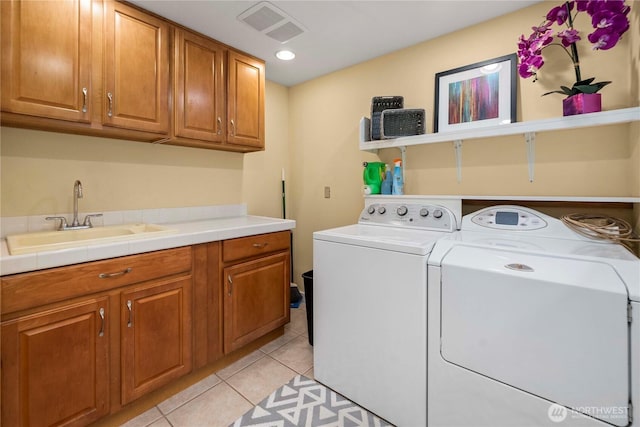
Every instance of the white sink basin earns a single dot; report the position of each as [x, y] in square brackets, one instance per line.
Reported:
[52, 240]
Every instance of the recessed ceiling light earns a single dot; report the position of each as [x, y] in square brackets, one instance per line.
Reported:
[285, 55]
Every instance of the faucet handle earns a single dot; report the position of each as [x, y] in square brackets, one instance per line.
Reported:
[63, 221]
[87, 219]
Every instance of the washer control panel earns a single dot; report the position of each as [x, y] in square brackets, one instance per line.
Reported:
[421, 216]
[506, 218]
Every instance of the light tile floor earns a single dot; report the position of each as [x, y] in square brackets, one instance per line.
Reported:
[221, 398]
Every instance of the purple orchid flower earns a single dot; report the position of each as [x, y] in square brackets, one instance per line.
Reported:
[603, 39]
[560, 14]
[609, 20]
[541, 41]
[581, 5]
[568, 37]
[530, 66]
[543, 28]
[616, 6]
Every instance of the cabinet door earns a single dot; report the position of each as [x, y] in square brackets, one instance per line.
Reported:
[136, 77]
[245, 103]
[256, 299]
[156, 335]
[46, 58]
[199, 88]
[55, 366]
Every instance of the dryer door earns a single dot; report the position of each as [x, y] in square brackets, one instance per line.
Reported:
[553, 327]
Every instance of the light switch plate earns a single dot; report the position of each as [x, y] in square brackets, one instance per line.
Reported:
[327, 192]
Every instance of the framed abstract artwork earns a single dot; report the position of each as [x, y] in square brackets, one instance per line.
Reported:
[476, 95]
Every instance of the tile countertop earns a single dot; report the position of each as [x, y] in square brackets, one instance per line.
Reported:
[188, 233]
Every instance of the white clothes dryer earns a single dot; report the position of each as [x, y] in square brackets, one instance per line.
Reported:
[531, 324]
[370, 304]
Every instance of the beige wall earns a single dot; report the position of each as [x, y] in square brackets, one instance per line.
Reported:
[262, 174]
[38, 170]
[324, 115]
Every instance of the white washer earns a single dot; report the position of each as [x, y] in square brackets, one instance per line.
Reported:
[370, 304]
[531, 324]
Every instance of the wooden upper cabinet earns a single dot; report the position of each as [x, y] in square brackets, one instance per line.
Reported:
[107, 68]
[245, 103]
[136, 60]
[46, 58]
[199, 103]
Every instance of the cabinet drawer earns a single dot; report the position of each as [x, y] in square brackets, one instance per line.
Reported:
[246, 247]
[23, 291]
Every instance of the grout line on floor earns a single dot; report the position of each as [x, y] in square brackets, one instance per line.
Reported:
[241, 395]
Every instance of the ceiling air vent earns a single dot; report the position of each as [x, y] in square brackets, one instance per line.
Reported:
[271, 21]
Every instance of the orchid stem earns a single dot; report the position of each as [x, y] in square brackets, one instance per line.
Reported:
[574, 48]
[562, 47]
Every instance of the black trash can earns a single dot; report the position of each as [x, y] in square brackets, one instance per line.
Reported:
[308, 296]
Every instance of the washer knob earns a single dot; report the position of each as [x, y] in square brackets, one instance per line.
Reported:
[402, 210]
[382, 210]
[371, 210]
[437, 214]
[424, 212]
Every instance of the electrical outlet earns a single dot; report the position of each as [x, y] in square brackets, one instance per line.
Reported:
[327, 192]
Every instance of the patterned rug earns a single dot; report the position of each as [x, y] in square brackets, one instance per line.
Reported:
[305, 403]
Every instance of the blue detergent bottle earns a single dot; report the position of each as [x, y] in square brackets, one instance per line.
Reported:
[388, 181]
[398, 180]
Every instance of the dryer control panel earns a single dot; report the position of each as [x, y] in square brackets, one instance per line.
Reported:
[508, 218]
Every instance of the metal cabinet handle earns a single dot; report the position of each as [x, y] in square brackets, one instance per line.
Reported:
[116, 274]
[219, 126]
[129, 323]
[233, 128]
[260, 245]
[84, 99]
[110, 96]
[101, 333]
[230, 285]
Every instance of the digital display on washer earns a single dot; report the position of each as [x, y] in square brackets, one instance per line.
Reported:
[507, 218]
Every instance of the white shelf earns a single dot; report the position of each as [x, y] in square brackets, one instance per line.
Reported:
[625, 115]
[573, 199]
[515, 198]
[527, 129]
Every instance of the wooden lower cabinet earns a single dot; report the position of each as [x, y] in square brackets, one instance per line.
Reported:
[73, 352]
[156, 336]
[256, 299]
[55, 366]
[82, 341]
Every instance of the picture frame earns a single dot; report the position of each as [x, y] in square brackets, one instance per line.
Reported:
[477, 95]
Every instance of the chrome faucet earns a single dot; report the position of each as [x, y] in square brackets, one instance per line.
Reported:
[77, 194]
[75, 223]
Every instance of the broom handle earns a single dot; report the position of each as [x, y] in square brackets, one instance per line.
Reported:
[284, 216]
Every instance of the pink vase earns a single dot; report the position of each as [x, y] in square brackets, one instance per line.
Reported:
[581, 103]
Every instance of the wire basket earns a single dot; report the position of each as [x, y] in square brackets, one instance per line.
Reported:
[402, 122]
[378, 105]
